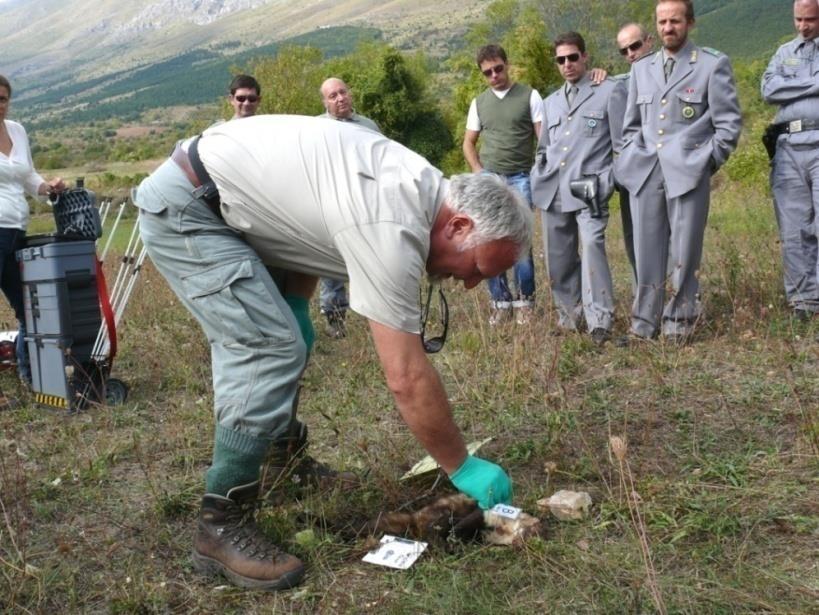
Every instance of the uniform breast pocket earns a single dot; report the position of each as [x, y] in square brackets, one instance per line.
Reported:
[790, 68]
[553, 127]
[594, 123]
[643, 103]
[689, 107]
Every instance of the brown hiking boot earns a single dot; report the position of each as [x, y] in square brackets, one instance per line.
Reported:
[289, 463]
[228, 542]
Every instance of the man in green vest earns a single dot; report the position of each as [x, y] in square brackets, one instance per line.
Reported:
[507, 117]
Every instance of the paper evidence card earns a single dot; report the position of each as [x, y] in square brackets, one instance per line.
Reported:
[395, 552]
[504, 510]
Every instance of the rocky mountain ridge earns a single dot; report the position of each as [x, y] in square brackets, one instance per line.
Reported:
[46, 38]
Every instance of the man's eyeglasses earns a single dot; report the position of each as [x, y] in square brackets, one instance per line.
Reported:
[3, 99]
[633, 47]
[497, 69]
[572, 57]
[434, 344]
[251, 98]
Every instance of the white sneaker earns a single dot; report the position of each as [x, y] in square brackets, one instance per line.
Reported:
[523, 314]
[499, 316]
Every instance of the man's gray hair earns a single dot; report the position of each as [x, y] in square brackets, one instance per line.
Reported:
[498, 210]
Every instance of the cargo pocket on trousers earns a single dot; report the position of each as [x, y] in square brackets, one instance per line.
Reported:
[235, 305]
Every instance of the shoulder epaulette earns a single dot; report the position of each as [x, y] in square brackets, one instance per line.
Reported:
[620, 77]
[712, 51]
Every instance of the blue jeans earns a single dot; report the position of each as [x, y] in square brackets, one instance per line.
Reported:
[333, 296]
[11, 240]
[524, 269]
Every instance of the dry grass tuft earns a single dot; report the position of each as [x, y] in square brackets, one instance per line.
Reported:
[709, 450]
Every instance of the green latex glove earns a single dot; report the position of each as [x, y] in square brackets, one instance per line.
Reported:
[301, 310]
[484, 481]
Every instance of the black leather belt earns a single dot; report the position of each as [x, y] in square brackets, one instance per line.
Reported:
[795, 126]
[204, 186]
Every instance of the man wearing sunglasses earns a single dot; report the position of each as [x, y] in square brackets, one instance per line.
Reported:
[682, 122]
[245, 96]
[315, 198]
[338, 105]
[791, 82]
[582, 128]
[633, 42]
[506, 116]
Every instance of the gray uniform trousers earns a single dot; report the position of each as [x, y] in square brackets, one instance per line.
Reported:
[668, 238]
[628, 232]
[581, 282]
[257, 352]
[795, 184]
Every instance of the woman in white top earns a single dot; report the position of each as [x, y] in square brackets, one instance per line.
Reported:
[17, 178]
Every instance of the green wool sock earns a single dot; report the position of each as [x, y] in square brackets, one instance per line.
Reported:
[236, 460]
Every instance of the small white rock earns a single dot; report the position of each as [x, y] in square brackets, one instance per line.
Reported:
[567, 505]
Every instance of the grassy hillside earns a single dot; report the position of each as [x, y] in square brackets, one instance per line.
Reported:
[712, 509]
[49, 40]
[99, 508]
[744, 28]
[195, 77]
[740, 28]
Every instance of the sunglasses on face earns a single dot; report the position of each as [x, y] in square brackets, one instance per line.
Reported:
[434, 344]
[572, 57]
[251, 99]
[497, 69]
[633, 47]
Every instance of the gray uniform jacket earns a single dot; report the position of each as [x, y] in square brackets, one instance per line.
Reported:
[690, 124]
[792, 82]
[578, 141]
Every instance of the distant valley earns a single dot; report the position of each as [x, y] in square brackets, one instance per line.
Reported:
[80, 60]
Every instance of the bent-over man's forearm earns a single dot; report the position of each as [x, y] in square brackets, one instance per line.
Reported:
[419, 395]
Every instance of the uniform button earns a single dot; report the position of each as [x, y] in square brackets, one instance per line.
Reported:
[568, 133]
[662, 116]
[569, 118]
[659, 146]
[563, 163]
[661, 131]
[565, 149]
[664, 101]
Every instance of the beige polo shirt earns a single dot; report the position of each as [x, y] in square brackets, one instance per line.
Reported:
[331, 199]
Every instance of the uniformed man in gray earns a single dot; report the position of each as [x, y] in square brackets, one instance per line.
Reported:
[682, 122]
[338, 104]
[792, 82]
[633, 42]
[581, 130]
